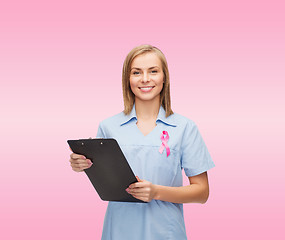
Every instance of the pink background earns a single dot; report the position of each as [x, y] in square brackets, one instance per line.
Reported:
[60, 72]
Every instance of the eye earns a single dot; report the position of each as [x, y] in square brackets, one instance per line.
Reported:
[136, 72]
[154, 71]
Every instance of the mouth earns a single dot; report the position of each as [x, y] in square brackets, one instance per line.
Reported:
[146, 89]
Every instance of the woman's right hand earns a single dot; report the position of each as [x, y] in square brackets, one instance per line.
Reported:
[79, 162]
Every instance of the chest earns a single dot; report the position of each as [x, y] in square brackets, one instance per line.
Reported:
[146, 127]
[143, 151]
[136, 133]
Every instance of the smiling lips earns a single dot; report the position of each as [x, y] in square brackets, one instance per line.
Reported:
[146, 89]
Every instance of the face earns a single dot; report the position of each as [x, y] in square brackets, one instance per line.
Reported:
[146, 78]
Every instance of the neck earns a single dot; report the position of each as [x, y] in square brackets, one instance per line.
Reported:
[147, 110]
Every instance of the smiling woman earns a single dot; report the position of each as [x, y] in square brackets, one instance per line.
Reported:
[146, 81]
[140, 55]
[158, 144]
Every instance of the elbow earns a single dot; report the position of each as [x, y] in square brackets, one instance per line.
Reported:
[204, 200]
[204, 196]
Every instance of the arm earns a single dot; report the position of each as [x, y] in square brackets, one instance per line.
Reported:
[196, 192]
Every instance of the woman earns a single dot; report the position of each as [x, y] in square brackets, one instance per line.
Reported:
[157, 144]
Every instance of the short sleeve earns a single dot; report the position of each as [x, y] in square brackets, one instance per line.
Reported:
[195, 158]
[100, 132]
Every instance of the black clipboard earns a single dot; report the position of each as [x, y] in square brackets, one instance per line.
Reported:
[110, 173]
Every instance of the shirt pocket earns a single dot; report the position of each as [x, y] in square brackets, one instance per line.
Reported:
[164, 169]
[149, 164]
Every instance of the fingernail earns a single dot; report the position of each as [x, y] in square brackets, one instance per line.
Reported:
[89, 162]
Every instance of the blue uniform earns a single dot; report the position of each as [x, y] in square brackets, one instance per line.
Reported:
[156, 220]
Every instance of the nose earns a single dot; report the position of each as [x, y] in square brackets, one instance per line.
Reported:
[145, 77]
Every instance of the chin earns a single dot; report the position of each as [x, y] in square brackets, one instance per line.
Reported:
[145, 98]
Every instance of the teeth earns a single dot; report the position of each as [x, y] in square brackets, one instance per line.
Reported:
[145, 87]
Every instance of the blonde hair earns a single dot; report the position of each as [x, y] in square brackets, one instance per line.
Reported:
[128, 95]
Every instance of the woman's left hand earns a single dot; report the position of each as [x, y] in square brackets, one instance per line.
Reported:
[142, 190]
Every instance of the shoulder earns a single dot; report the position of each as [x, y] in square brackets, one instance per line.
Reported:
[182, 121]
[114, 120]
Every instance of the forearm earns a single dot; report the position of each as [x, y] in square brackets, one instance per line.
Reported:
[194, 193]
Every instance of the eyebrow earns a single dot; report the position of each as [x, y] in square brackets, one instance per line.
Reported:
[140, 68]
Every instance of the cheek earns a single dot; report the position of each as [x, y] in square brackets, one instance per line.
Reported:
[159, 82]
[133, 84]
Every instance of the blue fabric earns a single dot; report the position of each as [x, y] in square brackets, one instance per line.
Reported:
[156, 219]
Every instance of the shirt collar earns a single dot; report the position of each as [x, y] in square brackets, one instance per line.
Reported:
[127, 118]
[161, 117]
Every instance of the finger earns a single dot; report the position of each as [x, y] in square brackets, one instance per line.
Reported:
[137, 197]
[138, 179]
[140, 190]
[135, 184]
[142, 198]
[82, 163]
[77, 170]
[138, 185]
[140, 195]
[80, 168]
[77, 156]
[79, 160]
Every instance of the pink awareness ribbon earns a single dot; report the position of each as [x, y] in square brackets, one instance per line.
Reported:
[164, 141]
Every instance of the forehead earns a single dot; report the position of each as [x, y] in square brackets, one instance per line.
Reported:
[146, 60]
